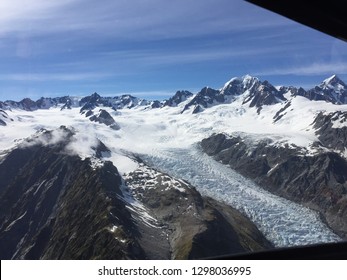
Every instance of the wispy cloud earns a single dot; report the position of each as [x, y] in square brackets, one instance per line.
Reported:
[219, 52]
[313, 69]
[53, 76]
[19, 15]
[131, 19]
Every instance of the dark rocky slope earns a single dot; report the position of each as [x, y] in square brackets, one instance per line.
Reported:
[4, 118]
[56, 206]
[195, 226]
[317, 181]
[105, 118]
[178, 98]
[331, 130]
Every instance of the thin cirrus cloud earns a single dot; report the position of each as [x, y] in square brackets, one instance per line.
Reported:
[39, 28]
[39, 77]
[154, 57]
[130, 19]
[21, 16]
[308, 70]
[144, 59]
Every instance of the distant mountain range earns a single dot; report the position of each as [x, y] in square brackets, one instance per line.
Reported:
[256, 93]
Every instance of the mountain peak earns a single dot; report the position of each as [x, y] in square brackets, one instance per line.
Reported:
[246, 79]
[237, 85]
[179, 97]
[332, 89]
[333, 80]
[91, 99]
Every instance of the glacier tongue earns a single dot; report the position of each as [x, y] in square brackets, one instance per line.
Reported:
[283, 222]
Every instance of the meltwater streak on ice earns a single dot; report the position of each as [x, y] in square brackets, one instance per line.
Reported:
[283, 222]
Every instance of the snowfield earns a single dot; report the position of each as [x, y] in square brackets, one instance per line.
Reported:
[166, 140]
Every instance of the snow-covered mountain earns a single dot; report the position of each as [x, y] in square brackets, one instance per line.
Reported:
[254, 92]
[287, 146]
[179, 97]
[331, 89]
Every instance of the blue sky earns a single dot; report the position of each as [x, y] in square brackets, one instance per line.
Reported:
[151, 48]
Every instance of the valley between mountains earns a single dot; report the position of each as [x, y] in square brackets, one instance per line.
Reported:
[244, 168]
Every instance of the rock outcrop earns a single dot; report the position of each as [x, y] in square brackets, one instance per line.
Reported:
[195, 226]
[331, 130]
[105, 118]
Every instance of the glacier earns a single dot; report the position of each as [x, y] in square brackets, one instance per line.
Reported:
[283, 222]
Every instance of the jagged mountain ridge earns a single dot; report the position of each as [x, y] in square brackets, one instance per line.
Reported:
[256, 93]
[66, 102]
